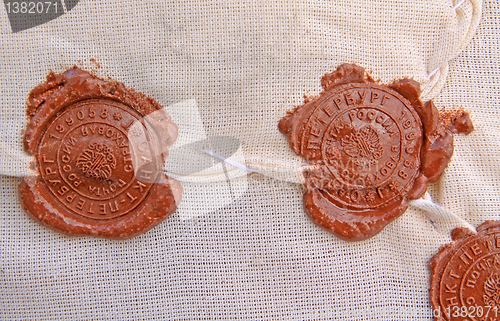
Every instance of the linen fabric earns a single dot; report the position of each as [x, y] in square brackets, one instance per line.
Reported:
[240, 245]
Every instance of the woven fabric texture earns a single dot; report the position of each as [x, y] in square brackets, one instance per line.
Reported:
[240, 246]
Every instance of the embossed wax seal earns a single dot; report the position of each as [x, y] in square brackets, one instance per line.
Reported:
[465, 275]
[370, 149]
[99, 150]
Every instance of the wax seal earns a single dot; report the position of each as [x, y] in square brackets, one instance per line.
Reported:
[370, 148]
[465, 275]
[99, 150]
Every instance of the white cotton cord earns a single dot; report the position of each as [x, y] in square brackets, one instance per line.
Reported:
[63, 3]
[432, 73]
[441, 219]
[455, 7]
[282, 170]
[230, 162]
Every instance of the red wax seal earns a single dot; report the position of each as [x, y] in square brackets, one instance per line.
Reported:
[99, 149]
[465, 275]
[370, 149]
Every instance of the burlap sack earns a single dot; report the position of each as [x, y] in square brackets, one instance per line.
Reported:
[241, 247]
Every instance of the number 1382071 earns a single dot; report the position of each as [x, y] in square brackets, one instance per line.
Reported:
[468, 312]
[32, 7]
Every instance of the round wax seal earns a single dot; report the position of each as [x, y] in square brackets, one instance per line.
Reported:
[465, 275]
[99, 149]
[370, 149]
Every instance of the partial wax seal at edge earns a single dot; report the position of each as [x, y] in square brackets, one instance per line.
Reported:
[465, 275]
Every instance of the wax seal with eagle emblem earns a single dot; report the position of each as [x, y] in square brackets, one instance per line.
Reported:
[99, 149]
[370, 149]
